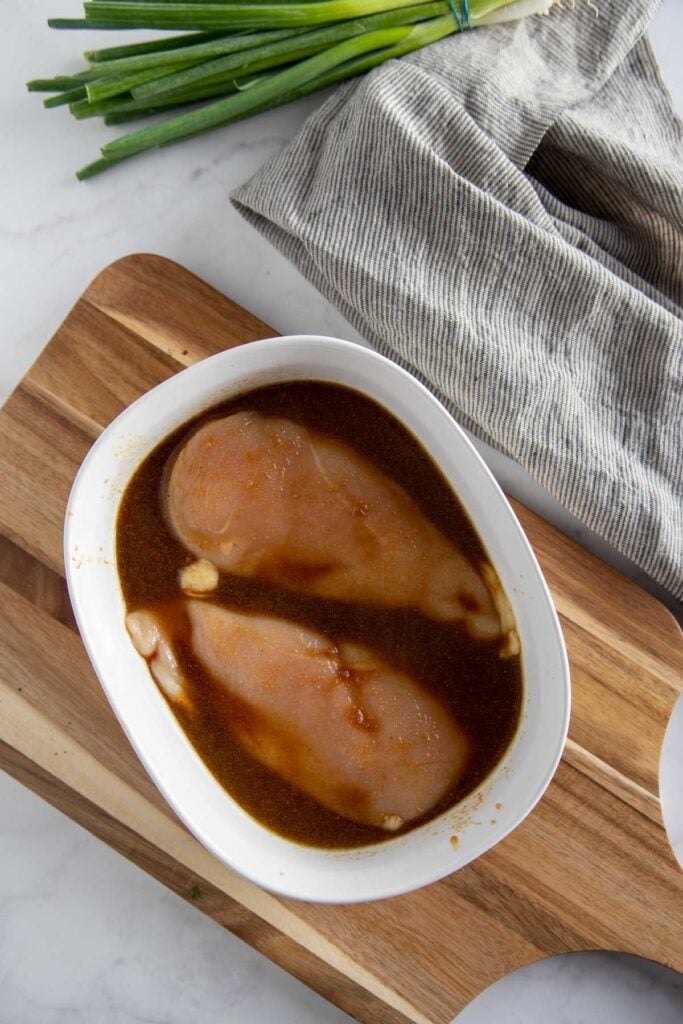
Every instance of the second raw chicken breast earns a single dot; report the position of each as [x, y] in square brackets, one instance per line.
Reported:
[334, 720]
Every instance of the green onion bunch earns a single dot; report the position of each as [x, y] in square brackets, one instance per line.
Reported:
[240, 57]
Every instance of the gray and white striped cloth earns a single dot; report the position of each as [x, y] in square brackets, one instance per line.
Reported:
[502, 213]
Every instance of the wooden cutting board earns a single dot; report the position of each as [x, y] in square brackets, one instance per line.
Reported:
[589, 868]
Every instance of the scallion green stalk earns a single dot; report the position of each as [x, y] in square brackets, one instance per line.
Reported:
[97, 166]
[64, 98]
[421, 35]
[206, 50]
[116, 85]
[261, 58]
[58, 84]
[223, 111]
[166, 44]
[72, 23]
[122, 104]
[133, 14]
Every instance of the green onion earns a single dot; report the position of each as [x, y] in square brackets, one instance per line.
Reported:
[133, 14]
[238, 105]
[96, 167]
[261, 58]
[69, 96]
[128, 105]
[80, 23]
[202, 51]
[151, 46]
[56, 84]
[62, 82]
[422, 35]
[127, 116]
[116, 85]
[236, 58]
[224, 111]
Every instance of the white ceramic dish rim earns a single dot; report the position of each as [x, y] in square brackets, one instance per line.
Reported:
[408, 862]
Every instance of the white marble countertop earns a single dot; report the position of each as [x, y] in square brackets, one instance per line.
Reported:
[84, 935]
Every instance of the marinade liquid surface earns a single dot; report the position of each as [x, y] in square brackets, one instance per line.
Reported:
[468, 675]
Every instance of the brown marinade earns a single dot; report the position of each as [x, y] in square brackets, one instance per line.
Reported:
[484, 690]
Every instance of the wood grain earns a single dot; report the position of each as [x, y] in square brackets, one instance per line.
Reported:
[589, 868]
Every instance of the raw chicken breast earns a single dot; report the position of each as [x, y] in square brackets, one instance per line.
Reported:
[336, 721]
[265, 497]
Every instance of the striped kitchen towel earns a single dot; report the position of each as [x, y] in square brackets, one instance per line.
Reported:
[502, 213]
